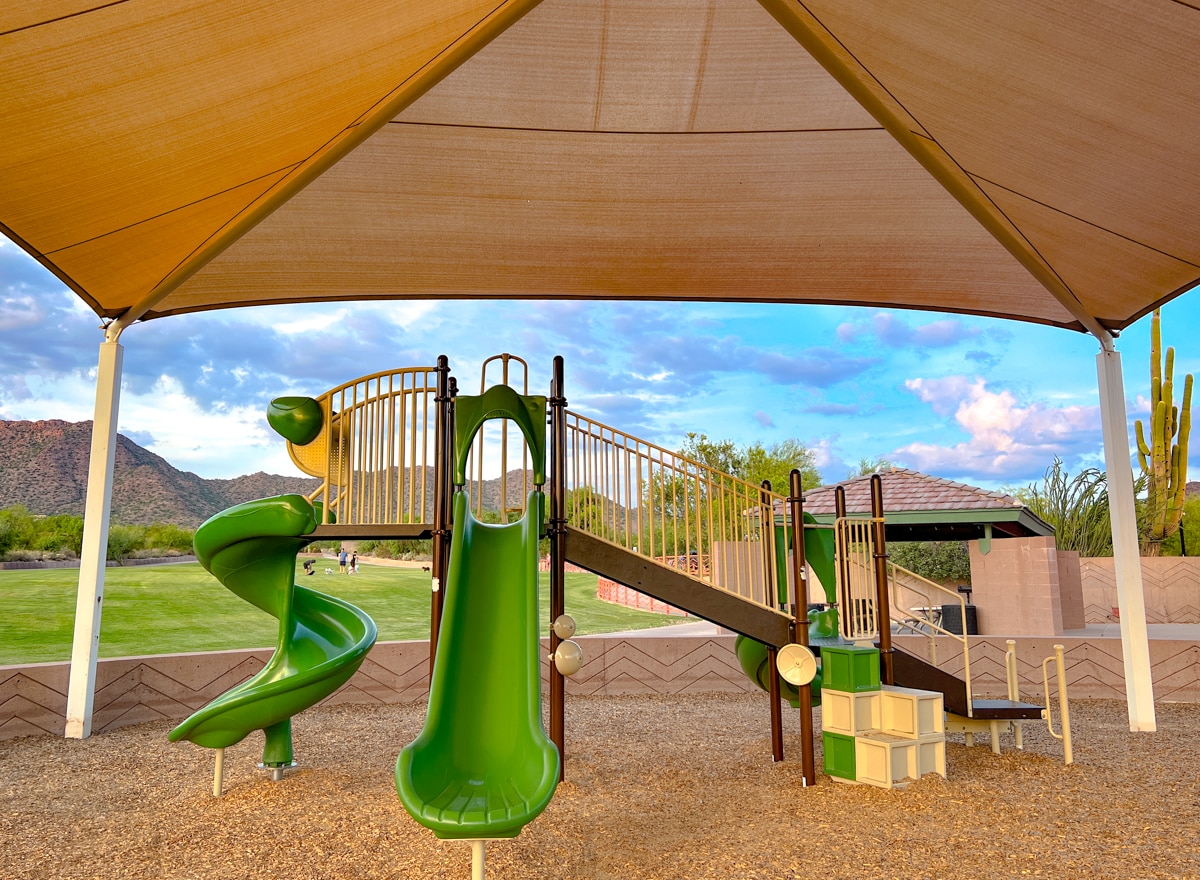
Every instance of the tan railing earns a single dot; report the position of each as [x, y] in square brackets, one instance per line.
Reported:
[675, 511]
[375, 453]
[855, 572]
[916, 606]
[1064, 710]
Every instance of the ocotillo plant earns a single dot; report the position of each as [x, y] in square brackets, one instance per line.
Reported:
[1163, 458]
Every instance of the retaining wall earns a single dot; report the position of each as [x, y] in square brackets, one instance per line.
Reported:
[131, 690]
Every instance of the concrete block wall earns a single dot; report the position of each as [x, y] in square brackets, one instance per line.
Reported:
[1018, 588]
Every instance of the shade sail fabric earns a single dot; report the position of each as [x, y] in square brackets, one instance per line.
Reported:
[1036, 162]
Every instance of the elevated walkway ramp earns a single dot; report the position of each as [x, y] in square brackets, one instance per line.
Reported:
[676, 588]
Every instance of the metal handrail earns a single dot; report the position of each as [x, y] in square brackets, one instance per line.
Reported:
[1064, 711]
[902, 581]
[675, 511]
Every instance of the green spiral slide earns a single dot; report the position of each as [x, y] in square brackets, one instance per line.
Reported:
[251, 549]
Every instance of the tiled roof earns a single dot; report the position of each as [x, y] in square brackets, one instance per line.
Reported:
[907, 490]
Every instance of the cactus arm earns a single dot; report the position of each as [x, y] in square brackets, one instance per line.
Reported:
[1143, 450]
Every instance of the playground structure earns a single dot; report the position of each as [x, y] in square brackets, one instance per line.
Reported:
[394, 452]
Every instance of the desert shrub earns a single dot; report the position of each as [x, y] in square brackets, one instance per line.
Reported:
[167, 537]
[123, 541]
[17, 529]
[62, 534]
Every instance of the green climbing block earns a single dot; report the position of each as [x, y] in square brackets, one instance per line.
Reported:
[850, 669]
[839, 755]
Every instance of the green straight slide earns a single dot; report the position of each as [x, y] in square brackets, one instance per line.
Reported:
[483, 766]
[251, 549]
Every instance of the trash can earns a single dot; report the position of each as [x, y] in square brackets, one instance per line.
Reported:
[952, 619]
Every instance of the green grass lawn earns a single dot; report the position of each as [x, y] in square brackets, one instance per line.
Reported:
[171, 609]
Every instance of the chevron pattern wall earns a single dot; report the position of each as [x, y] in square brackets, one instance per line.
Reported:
[33, 699]
[1171, 585]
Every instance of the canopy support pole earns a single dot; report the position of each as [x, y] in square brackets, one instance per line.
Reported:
[1127, 560]
[86, 646]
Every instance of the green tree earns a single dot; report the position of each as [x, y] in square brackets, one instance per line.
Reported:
[776, 464]
[721, 455]
[586, 511]
[755, 463]
[1163, 457]
[939, 561]
[868, 466]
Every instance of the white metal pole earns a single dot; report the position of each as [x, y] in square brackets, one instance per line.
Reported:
[86, 646]
[1135, 645]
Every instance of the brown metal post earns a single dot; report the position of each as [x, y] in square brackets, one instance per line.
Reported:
[776, 705]
[766, 516]
[883, 609]
[441, 492]
[557, 531]
[839, 513]
[800, 622]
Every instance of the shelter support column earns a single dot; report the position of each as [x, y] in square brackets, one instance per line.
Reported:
[86, 646]
[1135, 647]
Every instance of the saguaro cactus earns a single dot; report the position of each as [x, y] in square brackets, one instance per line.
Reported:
[1163, 456]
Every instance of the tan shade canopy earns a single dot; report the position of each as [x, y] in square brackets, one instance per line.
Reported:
[1033, 161]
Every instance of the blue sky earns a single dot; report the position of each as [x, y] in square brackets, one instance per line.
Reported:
[984, 401]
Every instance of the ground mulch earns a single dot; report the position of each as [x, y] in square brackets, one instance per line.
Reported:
[657, 787]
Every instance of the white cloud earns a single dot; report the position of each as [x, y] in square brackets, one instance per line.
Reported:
[1006, 439]
[19, 311]
[223, 441]
[895, 332]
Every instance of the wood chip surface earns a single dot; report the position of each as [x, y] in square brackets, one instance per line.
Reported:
[664, 787]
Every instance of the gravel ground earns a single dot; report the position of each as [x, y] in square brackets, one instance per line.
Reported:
[656, 788]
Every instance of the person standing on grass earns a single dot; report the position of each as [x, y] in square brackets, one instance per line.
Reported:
[342, 560]
[354, 562]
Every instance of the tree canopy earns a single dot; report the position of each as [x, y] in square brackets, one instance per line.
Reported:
[756, 462]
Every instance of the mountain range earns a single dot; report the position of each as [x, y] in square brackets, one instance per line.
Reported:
[44, 466]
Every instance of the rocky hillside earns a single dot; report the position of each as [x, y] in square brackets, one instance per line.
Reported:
[43, 465]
